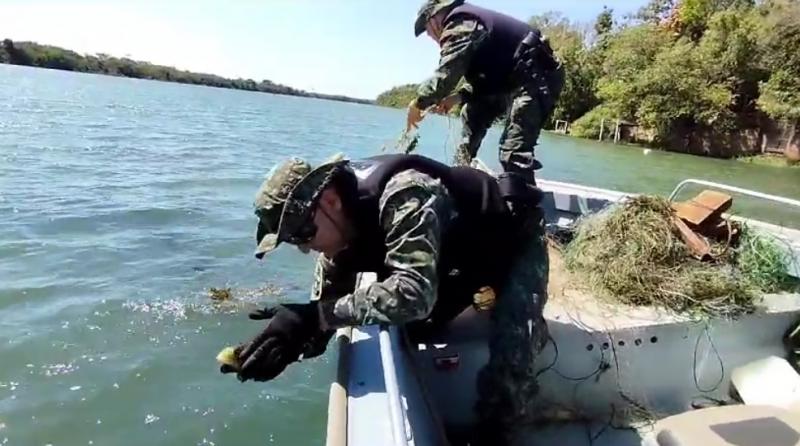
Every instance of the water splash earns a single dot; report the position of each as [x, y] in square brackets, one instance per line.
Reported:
[151, 418]
[179, 309]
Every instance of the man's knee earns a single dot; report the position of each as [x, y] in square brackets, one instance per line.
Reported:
[523, 129]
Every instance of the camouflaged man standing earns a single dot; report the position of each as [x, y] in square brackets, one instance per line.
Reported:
[509, 69]
[435, 235]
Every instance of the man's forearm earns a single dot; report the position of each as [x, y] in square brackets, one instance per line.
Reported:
[397, 300]
[459, 42]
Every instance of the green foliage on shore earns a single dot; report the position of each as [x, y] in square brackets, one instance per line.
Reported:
[713, 64]
[398, 97]
[588, 125]
[46, 56]
[696, 64]
[771, 160]
[401, 96]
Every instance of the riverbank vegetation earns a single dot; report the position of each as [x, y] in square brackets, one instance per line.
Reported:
[398, 97]
[46, 56]
[710, 77]
[772, 160]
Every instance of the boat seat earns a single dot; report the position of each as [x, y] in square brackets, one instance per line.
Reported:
[738, 425]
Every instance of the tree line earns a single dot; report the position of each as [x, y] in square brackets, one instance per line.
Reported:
[679, 69]
[47, 56]
[398, 97]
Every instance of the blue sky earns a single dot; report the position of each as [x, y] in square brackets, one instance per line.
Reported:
[352, 47]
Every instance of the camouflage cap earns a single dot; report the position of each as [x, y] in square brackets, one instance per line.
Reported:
[271, 197]
[286, 199]
[429, 9]
[301, 202]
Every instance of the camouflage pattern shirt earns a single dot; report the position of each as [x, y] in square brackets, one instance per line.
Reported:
[460, 39]
[414, 209]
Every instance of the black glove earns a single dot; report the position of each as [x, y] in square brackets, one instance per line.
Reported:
[317, 339]
[279, 344]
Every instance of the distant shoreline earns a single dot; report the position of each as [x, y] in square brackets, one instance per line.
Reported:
[45, 56]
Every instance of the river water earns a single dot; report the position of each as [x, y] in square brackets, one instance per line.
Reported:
[123, 201]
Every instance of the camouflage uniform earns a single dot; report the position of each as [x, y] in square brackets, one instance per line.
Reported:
[527, 107]
[415, 209]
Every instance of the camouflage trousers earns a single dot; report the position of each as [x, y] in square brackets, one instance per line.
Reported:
[526, 110]
[507, 385]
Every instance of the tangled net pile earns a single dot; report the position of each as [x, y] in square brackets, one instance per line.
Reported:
[633, 253]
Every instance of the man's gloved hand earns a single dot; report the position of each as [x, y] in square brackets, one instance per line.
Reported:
[279, 344]
[446, 104]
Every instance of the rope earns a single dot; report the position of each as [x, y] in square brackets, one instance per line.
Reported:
[719, 359]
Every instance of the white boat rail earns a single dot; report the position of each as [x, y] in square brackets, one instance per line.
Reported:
[739, 190]
[396, 411]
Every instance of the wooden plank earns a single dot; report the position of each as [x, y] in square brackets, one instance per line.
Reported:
[706, 206]
[698, 246]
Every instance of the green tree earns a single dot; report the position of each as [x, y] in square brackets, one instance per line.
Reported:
[780, 96]
[657, 82]
[690, 18]
[696, 66]
[730, 44]
[558, 30]
[17, 56]
[629, 54]
[398, 97]
[588, 125]
[780, 40]
[675, 89]
[604, 22]
[46, 56]
[655, 11]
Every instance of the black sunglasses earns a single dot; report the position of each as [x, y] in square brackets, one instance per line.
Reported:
[306, 232]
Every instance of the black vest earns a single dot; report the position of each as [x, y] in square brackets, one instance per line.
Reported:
[490, 71]
[476, 245]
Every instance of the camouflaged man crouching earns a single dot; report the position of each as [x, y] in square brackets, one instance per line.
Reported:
[509, 69]
[435, 235]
